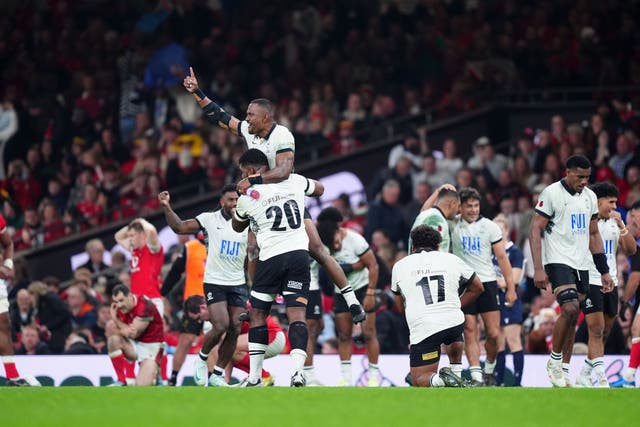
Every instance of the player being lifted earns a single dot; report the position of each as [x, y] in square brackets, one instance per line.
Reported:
[261, 132]
[567, 216]
[426, 284]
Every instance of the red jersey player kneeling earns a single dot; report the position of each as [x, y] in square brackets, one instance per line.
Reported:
[136, 332]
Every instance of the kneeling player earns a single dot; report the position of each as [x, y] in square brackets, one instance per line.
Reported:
[426, 285]
[196, 308]
[138, 334]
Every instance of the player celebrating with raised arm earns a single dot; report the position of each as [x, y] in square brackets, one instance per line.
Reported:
[138, 333]
[475, 239]
[567, 215]
[283, 265]
[426, 284]
[601, 308]
[261, 132]
[225, 287]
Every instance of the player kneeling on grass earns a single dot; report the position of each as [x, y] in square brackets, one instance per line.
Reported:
[197, 310]
[137, 333]
[426, 285]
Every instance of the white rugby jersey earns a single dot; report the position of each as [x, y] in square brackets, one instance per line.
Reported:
[314, 274]
[429, 283]
[276, 216]
[434, 218]
[473, 242]
[610, 234]
[226, 250]
[566, 238]
[353, 247]
[277, 140]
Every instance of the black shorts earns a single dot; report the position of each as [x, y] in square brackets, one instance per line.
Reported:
[596, 301]
[314, 306]
[562, 274]
[427, 351]
[189, 325]
[340, 304]
[236, 296]
[287, 272]
[487, 301]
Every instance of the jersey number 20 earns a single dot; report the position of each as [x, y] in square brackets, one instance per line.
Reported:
[426, 289]
[291, 211]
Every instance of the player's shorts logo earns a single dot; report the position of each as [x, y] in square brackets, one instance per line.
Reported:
[209, 296]
[588, 303]
[294, 285]
[429, 356]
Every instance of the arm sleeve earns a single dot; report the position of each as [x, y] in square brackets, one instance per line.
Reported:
[241, 213]
[175, 273]
[545, 204]
[243, 129]
[395, 280]
[284, 140]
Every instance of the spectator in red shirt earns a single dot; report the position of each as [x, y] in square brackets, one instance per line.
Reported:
[30, 235]
[53, 227]
[90, 206]
[22, 187]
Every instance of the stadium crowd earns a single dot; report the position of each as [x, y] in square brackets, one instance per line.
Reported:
[88, 139]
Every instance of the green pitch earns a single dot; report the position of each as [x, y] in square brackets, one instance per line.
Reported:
[327, 407]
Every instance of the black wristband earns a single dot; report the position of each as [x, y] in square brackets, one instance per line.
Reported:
[600, 260]
[212, 109]
[199, 93]
[256, 179]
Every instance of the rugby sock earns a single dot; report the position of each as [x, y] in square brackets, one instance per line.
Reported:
[598, 366]
[556, 357]
[119, 362]
[586, 368]
[476, 373]
[489, 367]
[518, 367]
[436, 381]
[10, 367]
[203, 356]
[345, 369]
[349, 296]
[500, 362]
[174, 378]
[217, 370]
[456, 368]
[163, 367]
[298, 337]
[565, 370]
[374, 371]
[309, 374]
[258, 343]
[298, 357]
[245, 365]
[634, 358]
[130, 371]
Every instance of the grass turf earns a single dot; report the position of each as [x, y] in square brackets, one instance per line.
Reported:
[390, 407]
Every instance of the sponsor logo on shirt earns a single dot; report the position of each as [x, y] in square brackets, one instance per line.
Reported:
[578, 223]
[471, 245]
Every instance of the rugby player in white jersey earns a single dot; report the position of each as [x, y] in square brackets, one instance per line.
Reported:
[567, 216]
[275, 213]
[261, 132]
[440, 208]
[224, 285]
[351, 249]
[600, 309]
[475, 240]
[426, 284]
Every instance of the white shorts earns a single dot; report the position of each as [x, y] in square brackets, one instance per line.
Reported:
[276, 346]
[4, 297]
[159, 303]
[146, 350]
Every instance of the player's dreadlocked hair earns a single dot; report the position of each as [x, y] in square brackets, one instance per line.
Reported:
[425, 237]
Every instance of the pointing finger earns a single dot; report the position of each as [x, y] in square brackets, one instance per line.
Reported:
[191, 71]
